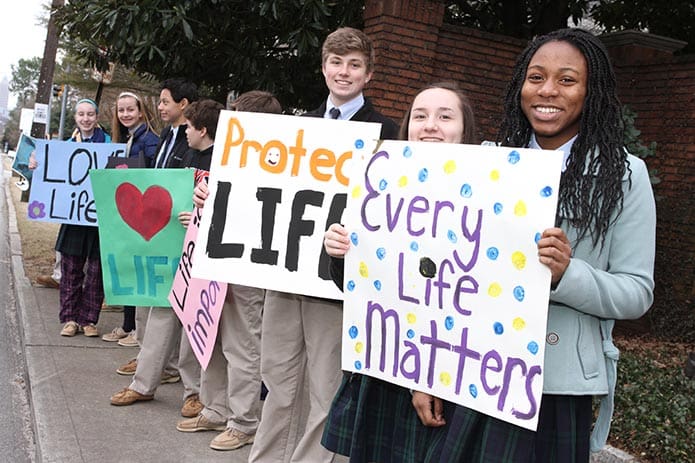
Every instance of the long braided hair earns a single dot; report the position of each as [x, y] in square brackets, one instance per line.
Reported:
[590, 188]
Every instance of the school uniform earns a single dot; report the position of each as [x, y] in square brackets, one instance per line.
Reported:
[163, 332]
[301, 340]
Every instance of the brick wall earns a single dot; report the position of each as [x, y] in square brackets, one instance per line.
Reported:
[415, 48]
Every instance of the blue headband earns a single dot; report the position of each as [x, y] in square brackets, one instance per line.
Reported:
[91, 102]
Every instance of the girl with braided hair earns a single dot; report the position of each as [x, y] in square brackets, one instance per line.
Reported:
[562, 96]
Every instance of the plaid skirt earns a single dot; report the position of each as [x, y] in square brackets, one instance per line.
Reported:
[564, 427]
[374, 421]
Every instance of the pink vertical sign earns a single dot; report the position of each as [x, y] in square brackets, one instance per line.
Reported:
[197, 302]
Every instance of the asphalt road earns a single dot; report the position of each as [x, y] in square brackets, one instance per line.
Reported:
[16, 432]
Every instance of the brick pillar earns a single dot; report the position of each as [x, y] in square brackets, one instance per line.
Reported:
[405, 35]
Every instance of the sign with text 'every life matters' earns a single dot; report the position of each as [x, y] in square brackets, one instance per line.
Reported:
[61, 189]
[276, 183]
[140, 236]
[443, 289]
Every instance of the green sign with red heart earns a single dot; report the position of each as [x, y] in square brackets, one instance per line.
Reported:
[139, 232]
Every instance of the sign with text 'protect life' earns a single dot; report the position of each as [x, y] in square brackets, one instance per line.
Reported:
[276, 183]
[444, 292]
[140, 236]
[61, 189]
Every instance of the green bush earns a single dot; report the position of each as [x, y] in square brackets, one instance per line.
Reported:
[654, 414]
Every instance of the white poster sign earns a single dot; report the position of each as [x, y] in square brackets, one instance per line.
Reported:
[444, 292]
[276, 183]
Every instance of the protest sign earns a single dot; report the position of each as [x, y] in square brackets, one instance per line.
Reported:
[20, 164]
[140, 237]
[276, 183]
[61, 190]
[198, 303]
[443, 289]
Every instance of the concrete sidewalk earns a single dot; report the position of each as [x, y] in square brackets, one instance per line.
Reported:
[70, 381]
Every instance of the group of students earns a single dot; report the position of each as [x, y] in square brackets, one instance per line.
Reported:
[562, 96]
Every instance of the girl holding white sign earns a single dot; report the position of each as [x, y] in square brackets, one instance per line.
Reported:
[562, 96]
[369, 418]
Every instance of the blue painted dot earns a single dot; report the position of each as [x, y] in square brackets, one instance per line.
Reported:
[358, 365]
[350, 285]
[414, 246]
[519, 293]
[354, 238]
[537, 237]
[377, 285]
[359, 144]
[513, 157]
[423, 174]
[452, 236]
[498, 327]
[473, 391]
[383, 184]
[466, 190]
[449, 323]
[532, 347]
[497, 208]
[407, 152]
[546, 192]
[353, 332]
[380, 253]
[410, 334]
[492, 253]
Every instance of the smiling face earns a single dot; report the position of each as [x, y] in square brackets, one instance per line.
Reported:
[346, 75]
[436, 116]
[169, 110]
[552, 96]
[129, 113]
[86, 118]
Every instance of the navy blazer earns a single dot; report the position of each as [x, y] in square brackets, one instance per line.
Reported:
[367, 113]
[178, 151]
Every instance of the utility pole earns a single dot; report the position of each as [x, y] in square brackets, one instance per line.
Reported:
[45, 84]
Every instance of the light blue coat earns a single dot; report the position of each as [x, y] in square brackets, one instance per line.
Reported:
[600, 285]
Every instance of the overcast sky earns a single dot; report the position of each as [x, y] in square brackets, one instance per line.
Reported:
[21, 35]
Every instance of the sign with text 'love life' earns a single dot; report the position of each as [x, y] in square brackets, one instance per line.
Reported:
[198, 303]
[140, 236]
[276, 183]
[61, 189]
[443, 289]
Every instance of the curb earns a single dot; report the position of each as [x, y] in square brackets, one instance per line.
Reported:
[613, 455]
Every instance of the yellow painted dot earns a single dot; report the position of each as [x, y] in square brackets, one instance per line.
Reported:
[359, 346]
[364, 271]
[357, 191]
[403, 181]
[445, 378]
[450, 166]
[519, 323]
[518, 260]
[494, 290]
[411, 318]
[520, 208]
[494, 175]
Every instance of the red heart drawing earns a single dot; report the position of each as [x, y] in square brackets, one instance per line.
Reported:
[145, 213]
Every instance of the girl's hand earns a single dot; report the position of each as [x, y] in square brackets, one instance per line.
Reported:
[429, 409]
[185, 218]
[336, 241]
[554, 250]
[200, 194]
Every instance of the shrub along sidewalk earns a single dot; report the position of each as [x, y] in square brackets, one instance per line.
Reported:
[654, 415]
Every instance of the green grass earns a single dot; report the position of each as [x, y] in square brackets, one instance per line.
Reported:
[654, 417]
